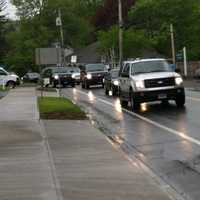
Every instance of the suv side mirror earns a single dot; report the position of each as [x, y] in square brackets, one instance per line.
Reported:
[125, 75]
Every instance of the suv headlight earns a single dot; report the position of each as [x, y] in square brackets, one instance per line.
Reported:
[178, 80]
[56, 76]
[73, 76]
[116, 83]
[139, 84]
[89, 76]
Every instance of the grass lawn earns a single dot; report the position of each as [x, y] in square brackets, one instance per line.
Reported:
[59, 108]
[3, 90]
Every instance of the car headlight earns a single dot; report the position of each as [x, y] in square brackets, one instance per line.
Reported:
[178, 80]
[139, 84]
[89, 76]
[56, 77]
[73, 76]
[116, 83]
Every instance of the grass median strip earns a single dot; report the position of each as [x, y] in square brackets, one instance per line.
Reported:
[59, 108]
[3, 89]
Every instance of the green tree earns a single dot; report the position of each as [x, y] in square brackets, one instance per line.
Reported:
[2, 30]
[155, 17]
[37, 28]
[134, 44]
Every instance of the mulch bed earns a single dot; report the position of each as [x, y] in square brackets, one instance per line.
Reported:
[63, 116]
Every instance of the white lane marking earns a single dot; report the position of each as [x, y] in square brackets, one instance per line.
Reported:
[177, 133]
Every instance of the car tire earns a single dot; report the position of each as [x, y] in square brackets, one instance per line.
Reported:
[73, 85]
[87, 86]
[180, 101]
[135, 105]
[106, 91]
[83, 85]
[11, 84]
[114, 91]
[123, 103]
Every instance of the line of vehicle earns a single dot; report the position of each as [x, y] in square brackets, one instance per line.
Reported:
[149, 121]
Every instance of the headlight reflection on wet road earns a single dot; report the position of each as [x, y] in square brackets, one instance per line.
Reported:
[118, 106]
[75, 94]
[143, 107]
[91, 96]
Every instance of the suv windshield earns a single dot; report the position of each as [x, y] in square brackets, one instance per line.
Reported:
[95, 67]
[150, 66]
[66, 70]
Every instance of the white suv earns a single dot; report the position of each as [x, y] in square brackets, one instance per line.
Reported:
[148, 80]
[7, 79]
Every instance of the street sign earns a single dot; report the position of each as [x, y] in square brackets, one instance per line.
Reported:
[48, 56]
[74, 59]
[58, 21]
[179, 56]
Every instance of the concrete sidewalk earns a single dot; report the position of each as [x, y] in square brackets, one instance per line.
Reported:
[25, 172]
[63, 160]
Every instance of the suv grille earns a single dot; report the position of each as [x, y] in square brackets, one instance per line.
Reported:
[98, 74]
[161, 82]
[65, 75]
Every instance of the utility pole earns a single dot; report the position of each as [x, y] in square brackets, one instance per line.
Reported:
[120, 33]
[59, 24]
[185, 62]
[173, 44]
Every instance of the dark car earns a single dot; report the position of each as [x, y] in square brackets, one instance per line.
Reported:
[93, 74]
[111, 82]
[31, 77]
[59, 76]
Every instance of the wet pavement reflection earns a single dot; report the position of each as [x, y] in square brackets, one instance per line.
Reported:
[171, 156]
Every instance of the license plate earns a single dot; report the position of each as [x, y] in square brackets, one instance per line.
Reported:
[162, 96]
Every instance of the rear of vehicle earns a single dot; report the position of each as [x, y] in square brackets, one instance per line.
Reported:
[151, 80]
[93, 74]
[111, 82]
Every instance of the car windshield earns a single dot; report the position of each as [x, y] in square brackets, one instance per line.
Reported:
[150, 66]
[33, 74]
[75, 70]
[115, 74]
[95, 67]
[66, 70]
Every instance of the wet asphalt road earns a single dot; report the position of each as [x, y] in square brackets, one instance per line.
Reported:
[166, 139]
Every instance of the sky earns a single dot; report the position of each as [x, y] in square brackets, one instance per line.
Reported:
[10, 10]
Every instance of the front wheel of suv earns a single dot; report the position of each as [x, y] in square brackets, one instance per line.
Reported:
[87, 85]
[180, 101]
[106, 91]
[83, 85]
[124, 103]
[11, 84]
[135, 105]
